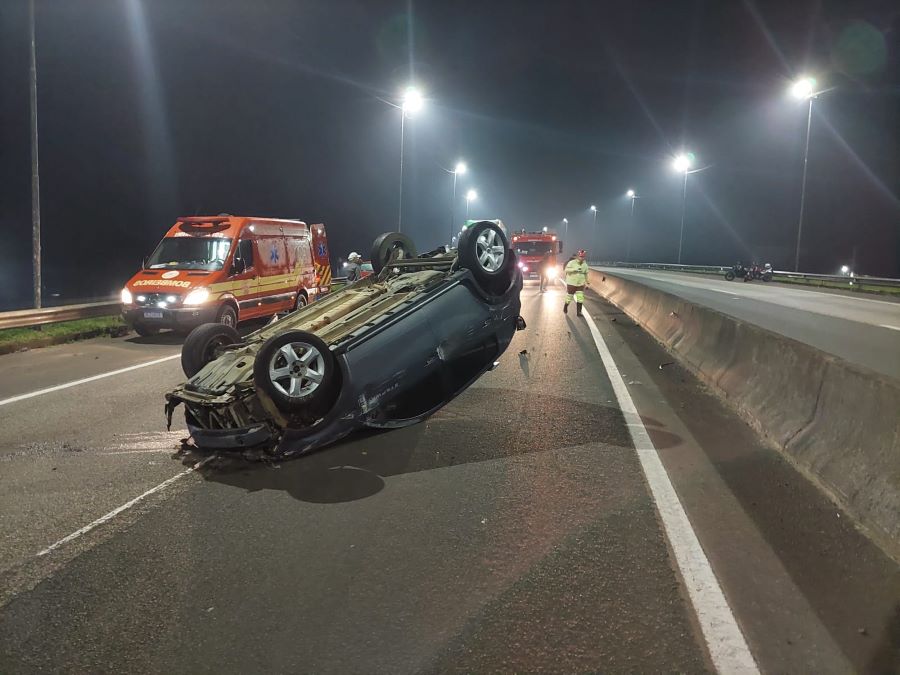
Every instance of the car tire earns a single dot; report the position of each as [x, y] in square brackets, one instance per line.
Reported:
[300, 302]
[390, 246]
[729, 275]
[298, 372]
[145, 331]
[227, 316]
[204, 344]
[484, 251]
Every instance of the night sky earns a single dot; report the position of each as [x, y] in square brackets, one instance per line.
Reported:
[151, 109]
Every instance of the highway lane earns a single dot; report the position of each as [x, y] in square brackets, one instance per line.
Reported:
[862, 330]
[512, 531]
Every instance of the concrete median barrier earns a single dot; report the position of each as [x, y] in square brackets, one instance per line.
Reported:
[837, 422]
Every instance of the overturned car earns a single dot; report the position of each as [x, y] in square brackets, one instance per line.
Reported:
[384, 352]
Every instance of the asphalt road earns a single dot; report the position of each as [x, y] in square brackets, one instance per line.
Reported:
[513, 531]
[860, 329]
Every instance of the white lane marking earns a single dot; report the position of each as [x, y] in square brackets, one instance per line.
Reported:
[727, 646]
[92, 378]
[127, 505]
[885, 325]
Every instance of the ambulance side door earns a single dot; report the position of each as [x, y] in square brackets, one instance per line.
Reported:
[245, 277]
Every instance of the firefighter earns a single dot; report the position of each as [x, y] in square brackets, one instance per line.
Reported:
[576, 280]
[353, 270]
[544, 268]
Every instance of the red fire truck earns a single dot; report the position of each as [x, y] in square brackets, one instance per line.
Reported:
[531, 247]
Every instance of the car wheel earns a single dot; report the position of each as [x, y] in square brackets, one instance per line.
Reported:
[391, 246]
[484, 251]
[298, 372]
[204, 344]
[227, 316]
[144, 331]
[300, 302]
[729, 276]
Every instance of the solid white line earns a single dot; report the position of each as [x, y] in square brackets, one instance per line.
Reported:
[726, 644]
[884, 325]
[92, 378]
[127, 505]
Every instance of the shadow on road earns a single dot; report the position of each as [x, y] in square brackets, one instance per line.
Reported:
[170, 337]
[475, 428]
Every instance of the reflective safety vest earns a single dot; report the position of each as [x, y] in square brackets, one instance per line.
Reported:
[576, 272]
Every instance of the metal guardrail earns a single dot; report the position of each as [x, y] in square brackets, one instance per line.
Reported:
[22, 318]
[778, 275]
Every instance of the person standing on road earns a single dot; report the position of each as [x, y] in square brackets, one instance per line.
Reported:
[353, 269]
[544, 268]
[576, 280]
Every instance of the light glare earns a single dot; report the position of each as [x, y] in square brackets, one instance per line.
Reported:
[682, 163]
[803, 88]
[412, 101]
[461, 168]
[471, 195]
[630, 193]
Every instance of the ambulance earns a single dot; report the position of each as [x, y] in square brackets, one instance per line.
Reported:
[227, 269]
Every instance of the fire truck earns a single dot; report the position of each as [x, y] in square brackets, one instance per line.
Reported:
[531, 247]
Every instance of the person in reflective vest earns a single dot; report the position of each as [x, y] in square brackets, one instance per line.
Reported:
[576, 280]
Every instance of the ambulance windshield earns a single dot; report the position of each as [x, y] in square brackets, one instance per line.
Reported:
[190, 253]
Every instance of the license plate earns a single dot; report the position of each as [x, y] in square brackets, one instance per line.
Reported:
[153, 315]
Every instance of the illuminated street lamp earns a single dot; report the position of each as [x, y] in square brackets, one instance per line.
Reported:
[566, 223]
[458, 170]
[682, 164]
[633, 196]
[471, 196]
[411, 103]
[803, 89]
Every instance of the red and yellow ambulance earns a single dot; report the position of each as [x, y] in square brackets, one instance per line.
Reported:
[227, 269]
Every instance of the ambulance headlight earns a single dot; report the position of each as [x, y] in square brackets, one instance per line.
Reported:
[197, 296]
[126, 297]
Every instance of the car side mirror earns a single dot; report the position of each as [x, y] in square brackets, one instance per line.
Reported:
[144, 263]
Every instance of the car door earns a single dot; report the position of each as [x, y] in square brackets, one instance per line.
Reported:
[245, 278]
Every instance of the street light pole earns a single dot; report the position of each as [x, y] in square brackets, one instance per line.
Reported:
[400, 191]
[633, 197]
[682, 163]
[412, 103]
[683, 208]
[803, 187]
[566, 223]
[470, 196]
[596, 239]
[458, 169]
[35, 174]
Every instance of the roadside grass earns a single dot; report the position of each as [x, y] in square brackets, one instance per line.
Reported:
[14, 339]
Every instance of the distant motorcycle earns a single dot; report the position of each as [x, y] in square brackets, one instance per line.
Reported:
[757, 273]
[736, 271]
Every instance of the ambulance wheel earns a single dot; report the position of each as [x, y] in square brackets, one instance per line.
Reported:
[300, 302]
[298, 372]
[227, 316]
[204, 344]
[145, 331]
[391, 246]
[484, 251]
